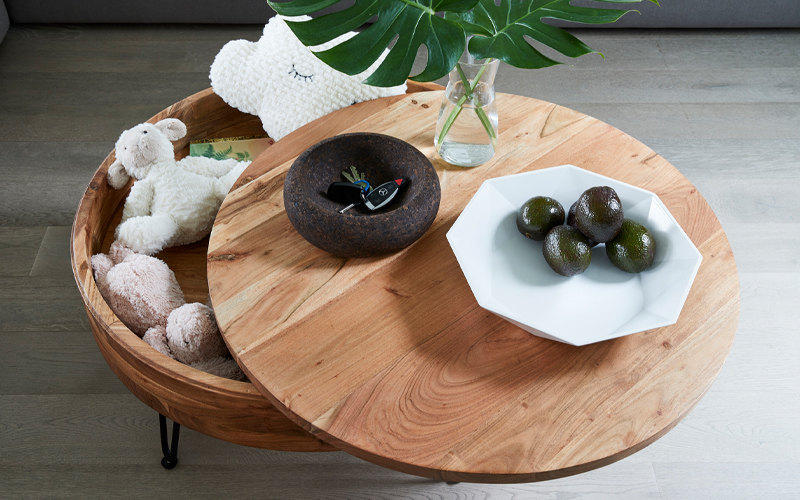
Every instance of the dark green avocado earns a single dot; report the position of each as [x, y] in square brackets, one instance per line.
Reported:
[567, 251]
[537, 216]
[598, 213]
[634, 248]
[571, 222]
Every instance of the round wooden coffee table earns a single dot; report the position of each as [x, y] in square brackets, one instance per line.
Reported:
[392, 360]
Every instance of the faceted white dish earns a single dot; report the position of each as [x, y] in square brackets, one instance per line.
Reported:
[509, 276]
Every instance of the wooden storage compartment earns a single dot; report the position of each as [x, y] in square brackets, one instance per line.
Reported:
[225, 409]
[221, 408]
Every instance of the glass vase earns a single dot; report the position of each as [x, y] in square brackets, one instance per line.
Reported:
[466, 131]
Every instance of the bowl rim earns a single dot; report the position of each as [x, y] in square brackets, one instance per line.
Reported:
[373, 218]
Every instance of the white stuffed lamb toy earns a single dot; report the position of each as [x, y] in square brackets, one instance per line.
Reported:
[172, 202]
[284, 83]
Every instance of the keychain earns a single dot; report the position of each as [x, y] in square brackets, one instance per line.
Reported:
[358, 191]
[383, 194]
[346, 193]
[357, 177]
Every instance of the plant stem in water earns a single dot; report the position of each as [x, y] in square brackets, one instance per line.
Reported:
[469, 90]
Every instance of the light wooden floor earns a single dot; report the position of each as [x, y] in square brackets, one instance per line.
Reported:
[722, 106]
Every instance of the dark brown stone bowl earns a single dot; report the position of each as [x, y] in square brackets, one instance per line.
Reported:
[359, 232]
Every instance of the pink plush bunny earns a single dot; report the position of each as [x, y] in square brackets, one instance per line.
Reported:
[146, 297]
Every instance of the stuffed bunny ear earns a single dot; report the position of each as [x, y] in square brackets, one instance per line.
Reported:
[117, 176]
[173, 128]
[101, 265]
[119, 252]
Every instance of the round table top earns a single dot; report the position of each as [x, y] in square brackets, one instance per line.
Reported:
[392, 360]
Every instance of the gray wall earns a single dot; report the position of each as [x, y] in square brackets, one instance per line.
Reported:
[671, 13]
[139, 11]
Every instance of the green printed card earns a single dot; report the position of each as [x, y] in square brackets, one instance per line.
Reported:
[238, 148]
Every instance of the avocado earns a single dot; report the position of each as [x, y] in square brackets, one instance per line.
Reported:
[567, 250]
[539, 215]
[633, 249]
[598, 213]
[571, 222]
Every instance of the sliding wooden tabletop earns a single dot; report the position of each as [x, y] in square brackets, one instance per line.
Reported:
[392, 360]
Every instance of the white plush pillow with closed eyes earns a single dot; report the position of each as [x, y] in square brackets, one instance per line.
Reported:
[284, 83]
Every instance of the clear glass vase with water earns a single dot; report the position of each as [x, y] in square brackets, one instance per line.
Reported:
[466, 131]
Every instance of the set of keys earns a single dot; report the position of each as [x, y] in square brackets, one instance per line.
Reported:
[357, 191]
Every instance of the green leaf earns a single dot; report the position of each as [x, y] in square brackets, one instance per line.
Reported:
[410, 24]
[500, 30]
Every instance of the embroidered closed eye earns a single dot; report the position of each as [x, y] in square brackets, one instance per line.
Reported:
[306, 78]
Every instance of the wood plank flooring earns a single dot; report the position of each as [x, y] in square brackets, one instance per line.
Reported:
[722, 106]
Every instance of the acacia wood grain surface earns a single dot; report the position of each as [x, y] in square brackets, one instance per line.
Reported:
[392, 360]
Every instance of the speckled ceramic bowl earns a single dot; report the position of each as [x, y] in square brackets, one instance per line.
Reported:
[359, 232]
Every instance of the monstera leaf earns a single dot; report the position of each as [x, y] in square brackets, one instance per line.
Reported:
[412, 23]
[499, 32]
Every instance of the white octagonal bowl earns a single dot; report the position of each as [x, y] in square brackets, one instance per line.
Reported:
[509, 276]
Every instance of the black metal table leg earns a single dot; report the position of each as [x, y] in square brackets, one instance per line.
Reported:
[170, 459]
